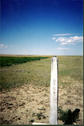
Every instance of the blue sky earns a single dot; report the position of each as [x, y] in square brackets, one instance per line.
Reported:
[41, 27]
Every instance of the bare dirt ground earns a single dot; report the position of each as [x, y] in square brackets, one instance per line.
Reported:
[29, 103]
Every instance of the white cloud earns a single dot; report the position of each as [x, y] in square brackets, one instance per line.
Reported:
[66, 34]
[62, 48]
[60, 39]
[3, 46]
[69, 40]
[53, 38]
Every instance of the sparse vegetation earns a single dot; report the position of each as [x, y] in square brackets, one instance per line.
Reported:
[28, 85]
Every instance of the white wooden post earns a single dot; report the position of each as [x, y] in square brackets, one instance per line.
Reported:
[53, 91]
[53, 94]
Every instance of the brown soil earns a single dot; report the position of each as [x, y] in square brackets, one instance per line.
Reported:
[29, 103]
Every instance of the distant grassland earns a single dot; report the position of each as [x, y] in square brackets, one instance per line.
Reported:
[9, 60]
[37, 72]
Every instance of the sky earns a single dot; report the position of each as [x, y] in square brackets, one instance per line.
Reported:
[41, 27]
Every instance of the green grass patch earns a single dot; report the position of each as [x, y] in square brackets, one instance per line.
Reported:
[8, 60]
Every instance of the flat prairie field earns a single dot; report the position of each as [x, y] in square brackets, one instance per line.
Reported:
[25, 89]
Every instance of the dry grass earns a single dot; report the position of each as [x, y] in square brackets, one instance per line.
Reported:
[29, 99]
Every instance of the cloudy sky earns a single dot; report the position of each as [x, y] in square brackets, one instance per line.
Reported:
[41, 27]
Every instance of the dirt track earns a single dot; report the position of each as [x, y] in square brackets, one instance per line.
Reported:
[30, 103]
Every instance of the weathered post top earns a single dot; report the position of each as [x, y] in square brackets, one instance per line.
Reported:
[54, 59]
